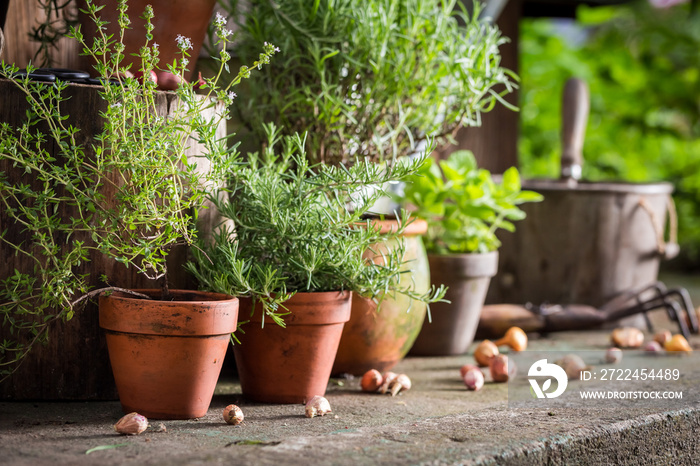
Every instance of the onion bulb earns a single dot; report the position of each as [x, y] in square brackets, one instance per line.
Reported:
[131, 424]
[388, 378]
[627, 337]
[371, 381]
[662, 336]
[400, 384]
[678, 343]
[233, 415]
[613, 355]
[466, 368]
[502, 369]
[485, 352]
[515, 338]
[652, 347]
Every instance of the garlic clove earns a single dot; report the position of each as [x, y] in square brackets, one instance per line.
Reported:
[484, 352]
[613, 355]
[233, 415]
[131, 424]
[371, 381]
[627, 337]
[473, 378]
[317, 406]
[388, 379]
[678, 343]
[400, 384]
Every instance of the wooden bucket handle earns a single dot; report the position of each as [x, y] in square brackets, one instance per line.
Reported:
[666, 249]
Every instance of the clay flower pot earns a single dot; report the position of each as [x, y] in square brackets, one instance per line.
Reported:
[166, 355]
[380, 338]
[291, 364]
[454, 324]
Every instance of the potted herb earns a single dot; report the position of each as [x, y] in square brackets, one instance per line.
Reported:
[129, 194]
[464, 208]
[297, 255]
[372, 79]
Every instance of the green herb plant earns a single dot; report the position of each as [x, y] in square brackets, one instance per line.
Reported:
[369, 78]
[129, 193]
[302, 227]
[462, 204]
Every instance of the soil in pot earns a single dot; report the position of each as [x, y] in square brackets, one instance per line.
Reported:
[291, 364]
[380, 338]
[166, 356]
[454, 324]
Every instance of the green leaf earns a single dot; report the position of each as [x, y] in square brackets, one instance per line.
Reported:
[105, 447]
[511, 180]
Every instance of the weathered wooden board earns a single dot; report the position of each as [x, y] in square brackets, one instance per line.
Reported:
[75, 364]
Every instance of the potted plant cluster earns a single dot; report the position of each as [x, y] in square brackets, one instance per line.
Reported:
[464, 208]
[295, 258]
[130, 194]
[373, 79]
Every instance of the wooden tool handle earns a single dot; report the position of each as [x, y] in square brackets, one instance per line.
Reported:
[575, 108]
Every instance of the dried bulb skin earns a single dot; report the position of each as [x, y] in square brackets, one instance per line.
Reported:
[371, 381]
[662, 336]
[502, 369]
[400, 384]
[131, 424]
[388, 379]
[484, 352]
[473, 378]
[572, 365]
[515, 338]
[613, 355]
[678, 343]
[627, 337]
[317, 406]
[233, 415]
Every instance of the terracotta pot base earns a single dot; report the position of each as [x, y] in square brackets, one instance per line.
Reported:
[292, 364]
[166, 355]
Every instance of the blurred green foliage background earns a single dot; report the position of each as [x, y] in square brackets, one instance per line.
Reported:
[643, 68]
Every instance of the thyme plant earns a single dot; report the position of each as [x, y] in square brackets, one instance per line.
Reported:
[369, 78]
[302, 227]
[129, 193]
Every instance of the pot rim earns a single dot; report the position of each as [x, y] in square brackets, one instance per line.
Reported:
[306, 300]
[416, 227]
[155, 292]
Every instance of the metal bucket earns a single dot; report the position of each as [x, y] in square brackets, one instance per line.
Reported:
[586, 242]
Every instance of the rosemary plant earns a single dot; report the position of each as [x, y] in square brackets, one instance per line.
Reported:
[369, 78]
[303, 228]
[129, 193]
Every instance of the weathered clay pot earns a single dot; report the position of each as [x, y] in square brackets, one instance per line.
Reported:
[166, 355]
[291, 364]
[380, 338]
[453, 325]
[171, 19]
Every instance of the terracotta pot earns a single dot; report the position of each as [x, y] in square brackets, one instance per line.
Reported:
[454, 324]
[172, 18]
[379, 339]
[292, 364]
[166, 355]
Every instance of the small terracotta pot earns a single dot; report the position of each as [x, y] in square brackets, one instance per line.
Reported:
[291, 364]
[454, 324]
[166, 355]
[379, 339]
